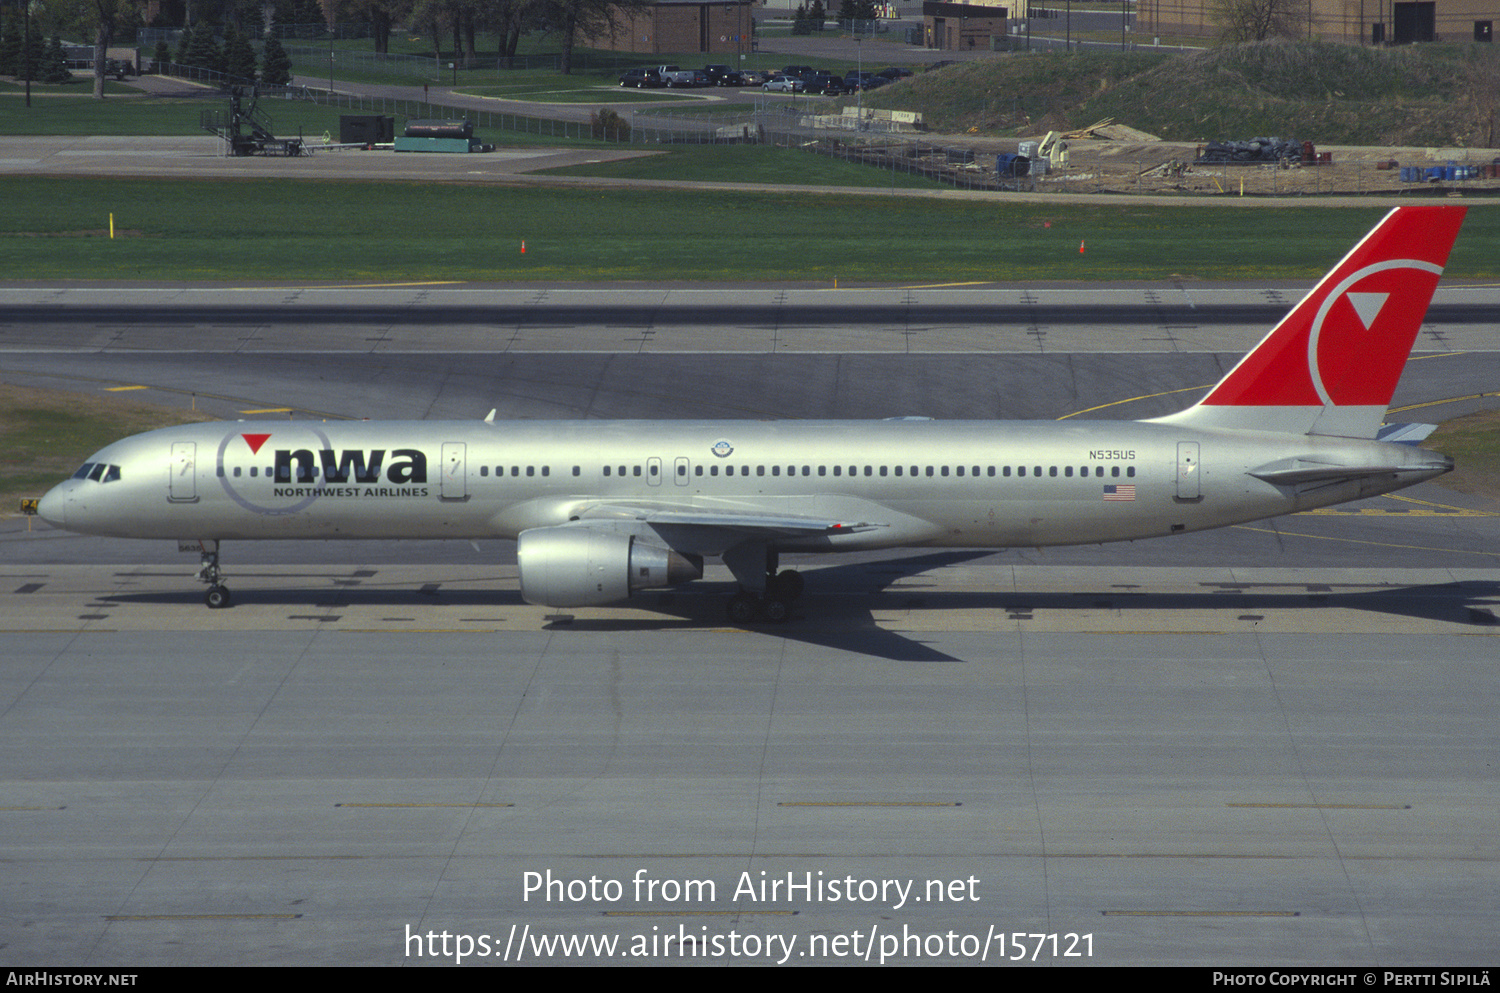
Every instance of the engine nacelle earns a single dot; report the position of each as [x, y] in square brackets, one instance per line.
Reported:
[584, 567]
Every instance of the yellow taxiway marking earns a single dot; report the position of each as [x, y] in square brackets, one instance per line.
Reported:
[1435, 403]
[1361, 541]
[121, 389]
[1327, 806]
[869, 803]
[1200, 913]
[356, 286]
[939, 286]
[270, 410]
[406, 805]
[201, 917]
[699, 913]
[1446, 510]
[377, 286]
[1148, 396]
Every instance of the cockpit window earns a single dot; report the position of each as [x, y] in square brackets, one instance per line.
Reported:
[99, 472]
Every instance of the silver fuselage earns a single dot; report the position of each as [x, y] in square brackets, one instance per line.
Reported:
[894, 483]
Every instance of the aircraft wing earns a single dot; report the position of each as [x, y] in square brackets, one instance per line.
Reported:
[742, 522]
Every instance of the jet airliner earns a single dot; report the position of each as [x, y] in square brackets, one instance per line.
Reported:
[603, 509]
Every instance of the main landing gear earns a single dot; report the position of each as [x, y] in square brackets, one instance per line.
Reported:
[208, 572]
[765, 594]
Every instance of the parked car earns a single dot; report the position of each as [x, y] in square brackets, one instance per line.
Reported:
[822, 81]
[721, 75]
[858, 81]
[688, 78]
[676, 75]
[782, 84]
[641, 78]
[894, 73]
[753, 77]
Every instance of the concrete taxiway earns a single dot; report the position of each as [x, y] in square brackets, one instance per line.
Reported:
[1271, 745]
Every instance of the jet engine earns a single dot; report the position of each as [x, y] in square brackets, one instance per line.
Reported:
[585, 567]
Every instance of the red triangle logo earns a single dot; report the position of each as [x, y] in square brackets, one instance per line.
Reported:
[255, 441]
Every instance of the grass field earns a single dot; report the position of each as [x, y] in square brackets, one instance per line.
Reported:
[254, 230]
[45, 436]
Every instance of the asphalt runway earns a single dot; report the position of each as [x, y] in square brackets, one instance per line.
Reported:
[1267, 745]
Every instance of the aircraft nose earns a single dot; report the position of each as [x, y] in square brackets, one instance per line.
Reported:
[53, 508]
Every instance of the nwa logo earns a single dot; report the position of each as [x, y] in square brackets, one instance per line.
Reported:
[406, 465]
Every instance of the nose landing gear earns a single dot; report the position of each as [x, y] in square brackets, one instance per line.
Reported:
[208, 571]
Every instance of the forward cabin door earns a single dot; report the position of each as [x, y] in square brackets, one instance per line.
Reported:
[182, 484]
[454, 483]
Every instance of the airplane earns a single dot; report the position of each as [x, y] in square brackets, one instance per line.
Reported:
[603, 509]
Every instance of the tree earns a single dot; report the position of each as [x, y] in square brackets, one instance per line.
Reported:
[161, 56]
[10, 43]
[817, 15]
[1257, 20]
[276, 66]
[54, 68]
[800, 24]
[239, 56]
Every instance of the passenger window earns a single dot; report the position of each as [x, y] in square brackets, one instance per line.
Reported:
[1130, 472]
[1068, 471]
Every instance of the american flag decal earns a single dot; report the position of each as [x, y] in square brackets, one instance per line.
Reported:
[1119, 491]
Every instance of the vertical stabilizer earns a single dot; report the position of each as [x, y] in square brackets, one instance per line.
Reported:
[1331, 365]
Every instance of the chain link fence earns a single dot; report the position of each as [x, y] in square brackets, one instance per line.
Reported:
[839, 136]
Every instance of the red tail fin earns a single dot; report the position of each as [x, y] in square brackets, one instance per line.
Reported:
[1331, 365]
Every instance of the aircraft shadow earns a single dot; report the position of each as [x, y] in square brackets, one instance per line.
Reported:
[839, 607]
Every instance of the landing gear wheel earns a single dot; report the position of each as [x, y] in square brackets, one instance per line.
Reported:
[743, 608]
[776, 609]
[787, 584]
[217, 597]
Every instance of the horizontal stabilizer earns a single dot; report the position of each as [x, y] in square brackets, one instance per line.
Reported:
[1293, 472]
[1404, 434]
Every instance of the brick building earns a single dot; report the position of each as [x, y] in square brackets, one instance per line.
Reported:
[964, 26]
[669, 27]
[1350, 21]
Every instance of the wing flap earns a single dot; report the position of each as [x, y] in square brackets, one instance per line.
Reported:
[731, 520]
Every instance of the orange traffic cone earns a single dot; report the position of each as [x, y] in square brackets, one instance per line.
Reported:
[1080, 248]
[523, 247]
